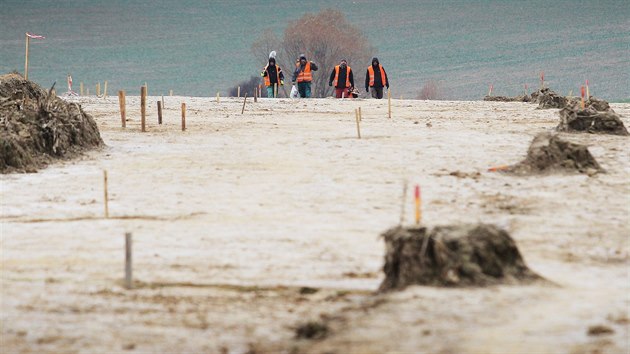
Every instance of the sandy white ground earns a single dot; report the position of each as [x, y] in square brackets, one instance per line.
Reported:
[231, 218]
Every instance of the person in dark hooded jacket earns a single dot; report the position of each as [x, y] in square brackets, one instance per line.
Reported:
[376, 79]
[273, 76]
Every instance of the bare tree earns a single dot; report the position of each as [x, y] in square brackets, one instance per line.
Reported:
[247, 86]
[430, 91]
[267, 42]
[325, 38]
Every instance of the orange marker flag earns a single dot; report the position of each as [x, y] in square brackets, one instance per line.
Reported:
[418, 211]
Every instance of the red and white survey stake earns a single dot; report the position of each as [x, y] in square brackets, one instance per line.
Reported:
[34, 36]
[588, 94]
[28, 38]
[417, 202]
[582, 101]
[542, 80]
[490, 91]
[70, 92]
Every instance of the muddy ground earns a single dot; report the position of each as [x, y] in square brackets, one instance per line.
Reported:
[246, 226]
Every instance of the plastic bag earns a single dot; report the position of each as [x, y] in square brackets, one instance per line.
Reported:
[294, 92]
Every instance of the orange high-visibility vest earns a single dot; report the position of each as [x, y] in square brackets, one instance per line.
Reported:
[371, 72]
[305, 76]
[267, 80]
[337, 76]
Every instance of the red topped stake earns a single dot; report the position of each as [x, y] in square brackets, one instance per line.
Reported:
[417, 200]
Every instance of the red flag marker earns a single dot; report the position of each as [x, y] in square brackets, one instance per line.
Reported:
[583, 93]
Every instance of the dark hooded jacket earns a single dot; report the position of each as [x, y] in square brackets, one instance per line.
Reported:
[378, 82]
[270, 70]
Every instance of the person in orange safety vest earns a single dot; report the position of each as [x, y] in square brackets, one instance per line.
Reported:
[376, 79]
[342, 79]
[303, 75]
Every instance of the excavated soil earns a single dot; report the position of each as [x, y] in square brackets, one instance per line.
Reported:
[549, 153]
[454, 255]
[597, 118]
[546, 98]
[521, 98]
[37, 126]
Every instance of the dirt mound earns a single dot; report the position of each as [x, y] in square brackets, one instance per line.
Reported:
[37, 126]
[549, 153]
[521, 98]
[574, 119]
[454, 255]
[545, 98]
[598, 105]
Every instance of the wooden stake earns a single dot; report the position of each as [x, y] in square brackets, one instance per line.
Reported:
[170, 92]
[106, 198]
[81, 88]
[404, 201]
[588, 94]
[159, 104]
[163, 106]
[360, 115]
[88, 91]
[123, 113]
[275, 90]
[389, 104]
[143, 108]
[183, 116]
[217, 96]
[128, 259]
[245, 100]
[28, 40]
[105, 90]
[356, 113]
[98, 89]
[255, 94]
[147, 87]
[238, 92]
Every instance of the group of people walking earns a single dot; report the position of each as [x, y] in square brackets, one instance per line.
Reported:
[341, 78]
